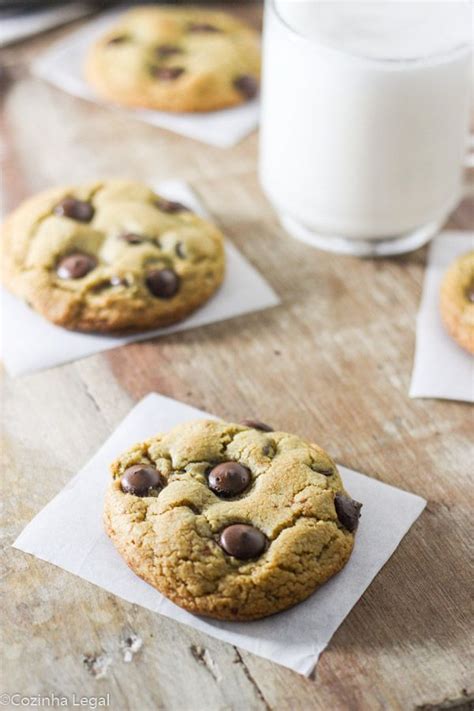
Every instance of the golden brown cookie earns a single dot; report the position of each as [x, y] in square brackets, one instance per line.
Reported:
[110, 256]
[176, 59]
[232, 521]
[457, 301]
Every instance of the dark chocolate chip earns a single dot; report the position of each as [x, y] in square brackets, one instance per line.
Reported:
[171, 206]
[348, 511]
[243, 541]
[229, 479]
[179, 249]
[119, 39]
[133, 238]
[167, 73]
[247, 85]
[141, 480]
[202, 27]
[163, 283]
[167, 50]
[79, 210]
[268, 450]
[75, 266]
[470, 292]
[257, 425]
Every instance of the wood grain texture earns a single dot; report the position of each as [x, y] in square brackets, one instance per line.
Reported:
[332, 362]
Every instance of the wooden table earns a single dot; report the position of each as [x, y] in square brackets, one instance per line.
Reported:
[333, 363]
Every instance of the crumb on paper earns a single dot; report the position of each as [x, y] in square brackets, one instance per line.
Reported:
[130, 646]
[97, 664]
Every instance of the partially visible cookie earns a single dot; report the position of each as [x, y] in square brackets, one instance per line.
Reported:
[110, 256]
[457, 301]
[228, 520]
[176, 59]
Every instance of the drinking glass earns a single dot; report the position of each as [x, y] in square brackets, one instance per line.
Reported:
[365, 115]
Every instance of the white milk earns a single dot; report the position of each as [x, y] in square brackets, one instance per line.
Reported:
[365, 114]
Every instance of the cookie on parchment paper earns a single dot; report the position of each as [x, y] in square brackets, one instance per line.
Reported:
[457, 301]
[176, 59]
[110, 256]
[231, 521]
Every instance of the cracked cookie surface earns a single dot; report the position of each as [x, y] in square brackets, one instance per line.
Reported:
[110, 256]
[230, 521]
[457, 301]
[176, 59]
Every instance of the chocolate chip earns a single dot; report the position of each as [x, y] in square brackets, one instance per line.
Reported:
[242, 541]
[163, 283]
[202, 27]
[133, 238]
[141, 480]
[79, 210]
[179, 249]
[119, 39]
[167, 73]
[470, 292]
[268, 450]
[75, 266]
[247, 85]
[257, 425]
[171, 206]
[167, 50]
[229, 479]
[348, 511]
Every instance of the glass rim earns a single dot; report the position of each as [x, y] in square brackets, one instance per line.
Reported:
[391, 61]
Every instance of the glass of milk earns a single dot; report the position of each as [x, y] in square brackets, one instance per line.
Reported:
[365, 114]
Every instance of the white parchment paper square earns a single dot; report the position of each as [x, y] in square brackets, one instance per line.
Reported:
[30, 342]
[19, 25]
[68, 532]
[442, 369]
[62, 65]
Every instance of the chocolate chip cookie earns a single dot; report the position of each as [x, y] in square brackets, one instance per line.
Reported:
[110, 256]
[457, 301]
[232, 521]
[172, 59]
